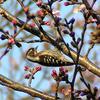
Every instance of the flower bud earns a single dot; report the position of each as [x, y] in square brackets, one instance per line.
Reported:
[3, 37]
[72, 34]
[38, 68]
[27, 76]
[39, 3]
[26, 68]
[11, 41]
[67, 3]
[54, 74]
[72, 20]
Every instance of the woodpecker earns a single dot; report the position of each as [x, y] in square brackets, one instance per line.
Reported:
[47, 57]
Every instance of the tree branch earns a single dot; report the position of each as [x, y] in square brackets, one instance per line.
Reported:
[19, 87]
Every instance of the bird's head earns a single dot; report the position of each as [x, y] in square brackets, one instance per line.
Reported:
[31, 54]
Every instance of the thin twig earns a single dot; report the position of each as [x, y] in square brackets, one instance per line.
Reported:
[57, 88]
[91, 47]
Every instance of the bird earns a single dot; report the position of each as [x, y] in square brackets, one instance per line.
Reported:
[47, 57]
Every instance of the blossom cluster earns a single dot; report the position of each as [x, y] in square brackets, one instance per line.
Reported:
[61, 76]
[31, 71]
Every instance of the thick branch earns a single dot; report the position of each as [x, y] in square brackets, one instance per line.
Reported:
[19, 87]
[82, 60]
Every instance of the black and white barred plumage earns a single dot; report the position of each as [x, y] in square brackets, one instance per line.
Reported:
[47, 57]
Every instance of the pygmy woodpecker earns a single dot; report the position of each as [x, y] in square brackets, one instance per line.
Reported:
[47, 57]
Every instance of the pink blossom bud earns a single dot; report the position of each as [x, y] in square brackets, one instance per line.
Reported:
[67, 3]
[40, 13]
[14, 22]
[54, 73]
[47, 23]
[39, 3]
[26, 68]
[11, 41]
[27, 76]
[32, 25]
[94, 20]
[61, 69]
[38, 68]
[26, 9]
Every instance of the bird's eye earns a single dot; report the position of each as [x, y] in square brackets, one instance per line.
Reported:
[31, 49]
[30, 52]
